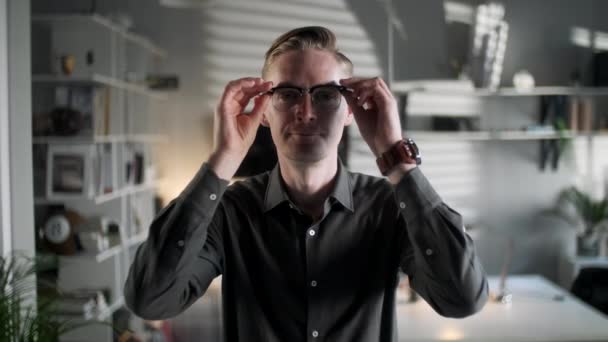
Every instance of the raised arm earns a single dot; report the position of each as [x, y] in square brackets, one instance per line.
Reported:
[184, 249]
[436, 253]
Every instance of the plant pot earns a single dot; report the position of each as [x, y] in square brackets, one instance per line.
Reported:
[603, 245]
[587, 245]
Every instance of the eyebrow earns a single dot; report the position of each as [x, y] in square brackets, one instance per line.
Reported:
[289, 84]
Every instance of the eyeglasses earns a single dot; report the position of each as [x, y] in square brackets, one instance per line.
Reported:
[324, 97]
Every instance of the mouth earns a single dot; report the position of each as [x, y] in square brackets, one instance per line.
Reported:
[306, 134]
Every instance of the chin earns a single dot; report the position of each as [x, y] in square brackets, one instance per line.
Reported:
[307, 154]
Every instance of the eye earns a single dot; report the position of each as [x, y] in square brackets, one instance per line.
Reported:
[287, 95]
[327, 94]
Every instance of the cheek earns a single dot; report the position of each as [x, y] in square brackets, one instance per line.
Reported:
[277, 124]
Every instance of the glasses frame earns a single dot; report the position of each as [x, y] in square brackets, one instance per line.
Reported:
[340, 88]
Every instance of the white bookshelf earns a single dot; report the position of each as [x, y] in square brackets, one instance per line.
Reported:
[401, 88]
[96, 19]
[98, 79]
[128, 198]
[102, 139]
[481, 136]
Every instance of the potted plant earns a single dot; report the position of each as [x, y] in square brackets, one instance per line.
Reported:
[23, 319]
[588, 216]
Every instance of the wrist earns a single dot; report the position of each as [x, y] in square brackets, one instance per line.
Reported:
[224, 163]
[399, 171]
[386, 145]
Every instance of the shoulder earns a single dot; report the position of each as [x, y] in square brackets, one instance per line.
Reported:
[251, 189]
[368, 185]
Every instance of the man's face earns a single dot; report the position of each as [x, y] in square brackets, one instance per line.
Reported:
[306, 132]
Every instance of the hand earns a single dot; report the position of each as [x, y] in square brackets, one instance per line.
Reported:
[375, 111]
[235, 131]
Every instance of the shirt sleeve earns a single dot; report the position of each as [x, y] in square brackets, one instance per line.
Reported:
[436, 252]
[183, 252]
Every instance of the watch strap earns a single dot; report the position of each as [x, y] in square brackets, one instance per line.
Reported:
[404, 151]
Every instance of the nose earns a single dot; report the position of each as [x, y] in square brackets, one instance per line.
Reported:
[305, 111]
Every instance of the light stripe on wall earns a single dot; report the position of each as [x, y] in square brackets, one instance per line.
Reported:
[238, 33]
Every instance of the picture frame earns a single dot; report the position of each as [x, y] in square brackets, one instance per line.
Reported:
[69, 172]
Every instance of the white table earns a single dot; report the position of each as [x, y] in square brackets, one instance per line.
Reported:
[533, 315]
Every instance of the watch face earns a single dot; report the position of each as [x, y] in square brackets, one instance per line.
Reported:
[415, 152]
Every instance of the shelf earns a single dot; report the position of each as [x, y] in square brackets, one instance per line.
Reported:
[506, 92]
[106, 23]
[98, 79]
[107, 313]
[540, 91]
[97, 257]
[139, 238]
[101, 139]
[498, 135]
[490, 135]
[128, 190]
[104, 314]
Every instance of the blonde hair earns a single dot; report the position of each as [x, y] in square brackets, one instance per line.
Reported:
[299, 39]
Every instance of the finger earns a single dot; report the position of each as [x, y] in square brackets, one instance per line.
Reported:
[350, 81]
[255, 92]
[234, 89]
[260, 105]
[386, 88]
[247, 92]
[376, 89]
[351, 99]
[235, 86]
[365, 94]
[375, 82]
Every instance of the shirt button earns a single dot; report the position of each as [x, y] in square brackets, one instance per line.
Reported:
[429, 251]
[311, 232]
[213, 197]
[313, 283]
[315, 333]
[180, 243]
[402, 205]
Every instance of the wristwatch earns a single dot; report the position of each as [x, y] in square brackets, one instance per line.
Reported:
[405, 151]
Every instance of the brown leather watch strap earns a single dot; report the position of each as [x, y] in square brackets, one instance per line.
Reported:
[405, 151]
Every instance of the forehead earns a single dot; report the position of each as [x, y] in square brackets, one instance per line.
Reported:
[305, 68]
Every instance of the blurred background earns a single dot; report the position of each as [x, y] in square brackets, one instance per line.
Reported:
[106, 113]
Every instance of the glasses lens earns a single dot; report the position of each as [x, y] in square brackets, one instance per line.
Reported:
[326, 98]
[285, 98]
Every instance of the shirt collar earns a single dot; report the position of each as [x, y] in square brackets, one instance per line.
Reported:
[277, 194]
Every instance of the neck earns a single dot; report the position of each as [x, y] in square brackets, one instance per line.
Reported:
[309, 183]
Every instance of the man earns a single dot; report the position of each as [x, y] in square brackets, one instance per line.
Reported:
[308, 251]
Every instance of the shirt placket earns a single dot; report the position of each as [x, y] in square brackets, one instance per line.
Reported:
[314, 328]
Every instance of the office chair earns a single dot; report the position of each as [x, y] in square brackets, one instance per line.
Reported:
[591, 286]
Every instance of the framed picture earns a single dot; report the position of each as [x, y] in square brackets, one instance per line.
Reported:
[69, 171]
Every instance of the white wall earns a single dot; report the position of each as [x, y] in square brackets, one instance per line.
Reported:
[20, 199]
[5, 214]
[513, 191]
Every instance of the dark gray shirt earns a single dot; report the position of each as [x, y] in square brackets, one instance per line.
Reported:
[287, 278]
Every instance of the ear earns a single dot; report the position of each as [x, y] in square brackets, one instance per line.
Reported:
[349, 116]
[264, 121]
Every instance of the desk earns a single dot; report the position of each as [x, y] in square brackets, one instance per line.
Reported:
[534, 315]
